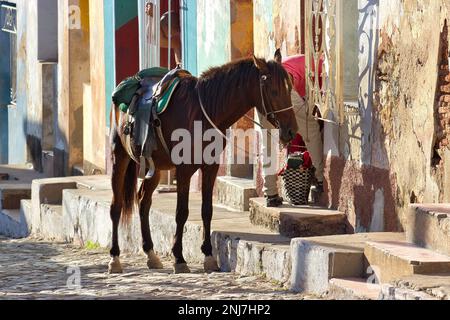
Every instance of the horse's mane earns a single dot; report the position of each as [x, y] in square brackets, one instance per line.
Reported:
[221, 86]
[218, 84]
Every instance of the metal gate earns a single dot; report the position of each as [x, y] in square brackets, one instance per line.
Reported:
[150, 14]
[149, 29]
[8, 23]
[323, 42]
[150, 51]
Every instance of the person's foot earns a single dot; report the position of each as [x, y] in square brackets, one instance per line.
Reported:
[274, 201]
[318, 188]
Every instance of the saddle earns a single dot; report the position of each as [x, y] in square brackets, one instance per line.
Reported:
[151, 95]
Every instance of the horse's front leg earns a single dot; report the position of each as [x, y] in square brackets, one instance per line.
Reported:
[145, 203]
[209, 175]
[184, 175]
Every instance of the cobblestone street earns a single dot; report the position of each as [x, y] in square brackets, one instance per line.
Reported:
[34, 269]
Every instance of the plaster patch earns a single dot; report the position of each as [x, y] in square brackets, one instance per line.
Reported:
[377, 224]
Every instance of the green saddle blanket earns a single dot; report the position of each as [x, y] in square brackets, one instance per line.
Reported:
[124, 93]
[164, 100]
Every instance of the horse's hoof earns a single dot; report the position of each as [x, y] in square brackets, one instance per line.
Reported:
[153, 261]
[211, 265]
[181, 268]
[115, 266]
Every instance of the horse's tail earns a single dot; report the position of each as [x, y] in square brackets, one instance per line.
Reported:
[130, 181]
[130, 192]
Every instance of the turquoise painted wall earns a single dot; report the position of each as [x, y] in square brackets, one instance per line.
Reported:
[213, 33]
[110, 75]
[190, 35]
[125, 10]
[17, 115]
[4, 94]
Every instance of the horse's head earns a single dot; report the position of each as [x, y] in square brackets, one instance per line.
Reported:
[276, 103]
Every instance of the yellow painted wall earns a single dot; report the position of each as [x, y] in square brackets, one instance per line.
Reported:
[74, 72]
[94, 95]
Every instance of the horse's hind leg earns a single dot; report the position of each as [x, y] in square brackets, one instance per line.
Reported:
[121, 162]
[145, 203]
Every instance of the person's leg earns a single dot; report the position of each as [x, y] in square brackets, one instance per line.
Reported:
[309, 128]
[270, 177]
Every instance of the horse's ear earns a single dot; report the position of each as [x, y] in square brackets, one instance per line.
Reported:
[278, 56]
[260, 64]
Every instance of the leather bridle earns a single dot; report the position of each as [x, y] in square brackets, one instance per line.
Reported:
[270, 115]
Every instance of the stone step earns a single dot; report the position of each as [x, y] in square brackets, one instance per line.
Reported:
[26, 215]
[12, 194]
[296, 222]
[354, 289]
[47, 192]
[22, 173]
[234, 193]
[418, 287]
[12, 224]
[317, 260]
[239, 246]
[428, 226]
[391, 260]
[51, 222]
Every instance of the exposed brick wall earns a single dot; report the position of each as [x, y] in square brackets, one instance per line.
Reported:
[443, 100]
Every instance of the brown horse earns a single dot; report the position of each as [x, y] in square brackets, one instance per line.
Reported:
[226, 94]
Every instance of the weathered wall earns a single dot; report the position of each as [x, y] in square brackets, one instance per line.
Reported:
[190, 36]
[4, 94]
[73, 73]
[32, 119]
[402, 117]
[94, 106]
[213, 33]
[241, 46]
[277, 24]
[17, 115]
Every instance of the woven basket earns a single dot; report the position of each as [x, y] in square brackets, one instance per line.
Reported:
[297, 185]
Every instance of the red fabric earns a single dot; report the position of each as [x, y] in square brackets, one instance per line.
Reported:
[307, 160]
[297, 145]
[296, 66]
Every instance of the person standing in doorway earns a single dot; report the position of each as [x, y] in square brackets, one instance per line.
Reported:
[309, 128]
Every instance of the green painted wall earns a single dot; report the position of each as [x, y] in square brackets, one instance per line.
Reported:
[110, 75]
[213, 33]
[190, 35]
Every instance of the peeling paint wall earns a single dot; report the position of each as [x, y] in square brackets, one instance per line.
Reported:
[94, 105]
[277, 24]
[73, 73]
[402, 153]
